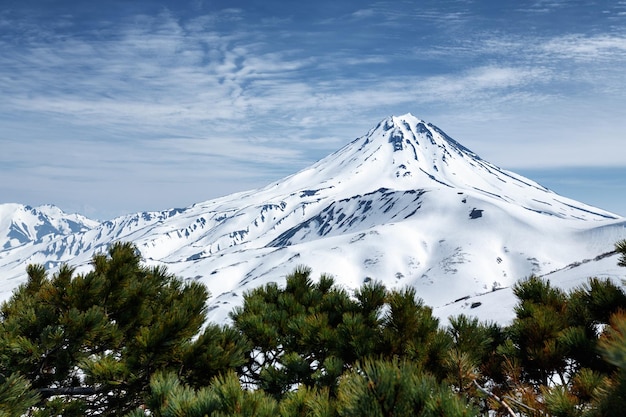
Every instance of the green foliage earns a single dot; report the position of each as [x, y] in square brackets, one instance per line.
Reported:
[400, 389]
[125, 339]
[310, 333]
[613, 344]
[307, 402]
[302, 334]
[589, 309]
[560, 402]
[217, 350]
[409, 329]
[168, 397]
[536, 330]
[472, 345]
[89, 343]
[16, 396]
[587, 384]
[598, 299]
[612, 395]
[563, 365]
[620, 247]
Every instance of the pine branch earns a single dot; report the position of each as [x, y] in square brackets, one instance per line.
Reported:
[495, 397]
[71, 391]
[521, 404]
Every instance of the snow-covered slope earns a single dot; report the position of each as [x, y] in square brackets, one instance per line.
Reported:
[405, 204]
[20, 224]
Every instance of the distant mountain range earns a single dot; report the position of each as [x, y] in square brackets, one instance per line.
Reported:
[405, 204]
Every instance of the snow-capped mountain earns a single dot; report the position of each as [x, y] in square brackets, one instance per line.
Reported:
[20, 224]
[405, 204]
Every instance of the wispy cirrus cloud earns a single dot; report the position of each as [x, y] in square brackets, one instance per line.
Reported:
[218, 92]
[587, 48]
[159, 73]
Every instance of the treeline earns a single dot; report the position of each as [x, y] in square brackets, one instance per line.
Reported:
[126, 339]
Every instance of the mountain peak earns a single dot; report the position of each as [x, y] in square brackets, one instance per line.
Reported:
[405, 152]
[414, 134]
[20, 224]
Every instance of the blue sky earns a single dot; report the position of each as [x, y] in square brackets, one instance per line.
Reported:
[108, 108]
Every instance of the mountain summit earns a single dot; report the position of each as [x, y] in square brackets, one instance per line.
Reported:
[405, 204]
[406, 153]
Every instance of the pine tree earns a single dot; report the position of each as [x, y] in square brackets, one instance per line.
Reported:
[308, 334]
[609, 395]
[577, 336]
[89, 343]
[409, 327]
[589, 309]
[300, 335]
[536, 330]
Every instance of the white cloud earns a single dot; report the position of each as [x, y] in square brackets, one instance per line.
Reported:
[483, 81]
[580, 47]
[364, 13]
[158, 75]
[162, 90]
